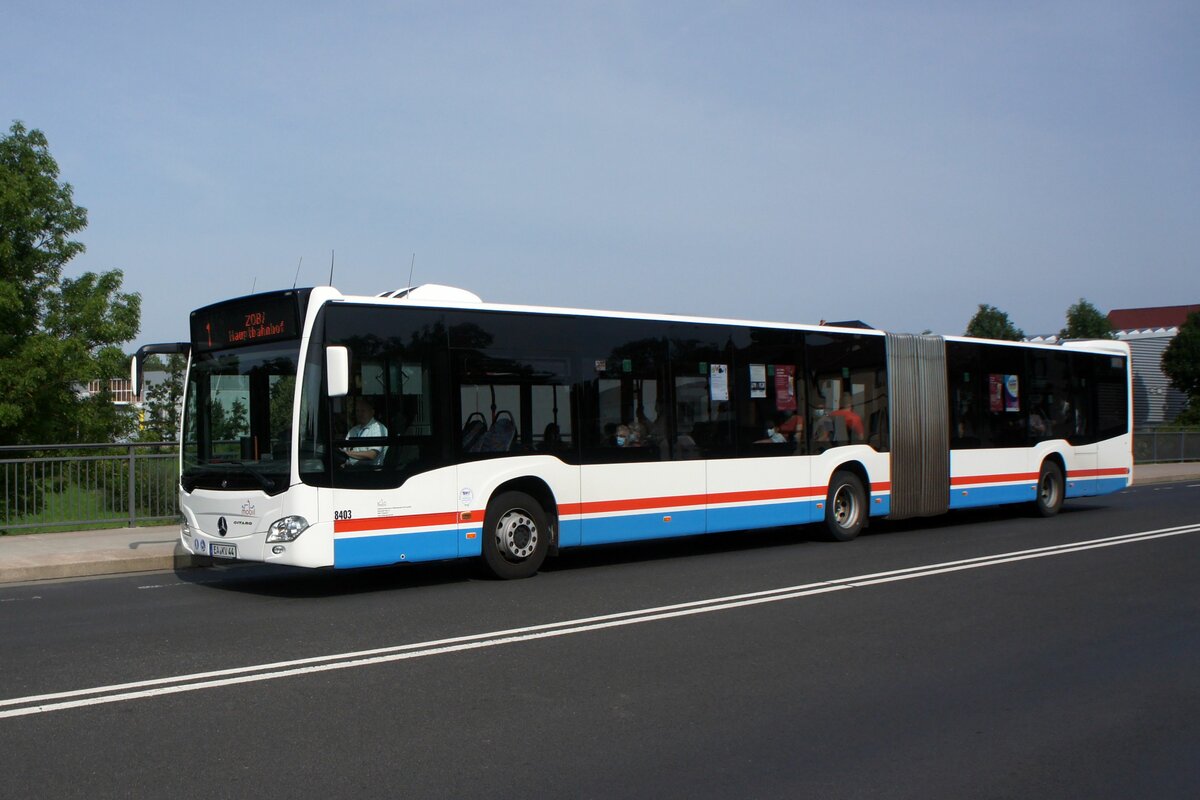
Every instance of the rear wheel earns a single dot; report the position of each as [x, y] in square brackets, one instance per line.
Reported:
[516, 536]
[1050, 489]
[845, 506]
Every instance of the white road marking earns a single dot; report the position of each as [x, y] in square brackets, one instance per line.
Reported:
[78, 698]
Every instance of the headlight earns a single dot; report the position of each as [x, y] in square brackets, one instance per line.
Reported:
[287, 529]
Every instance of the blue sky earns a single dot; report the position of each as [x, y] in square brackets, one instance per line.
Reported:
[896, 163]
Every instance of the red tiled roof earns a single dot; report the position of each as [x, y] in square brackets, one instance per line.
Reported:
[1130, 319]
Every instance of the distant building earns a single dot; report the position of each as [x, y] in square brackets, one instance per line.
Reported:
[1148, 332]
[122, 392]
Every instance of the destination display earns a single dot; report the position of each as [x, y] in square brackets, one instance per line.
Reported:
[251, 320]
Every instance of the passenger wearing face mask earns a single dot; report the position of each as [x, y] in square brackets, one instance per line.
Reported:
[774, 435]
[626, 437]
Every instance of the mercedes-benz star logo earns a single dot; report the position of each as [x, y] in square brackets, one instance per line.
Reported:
[222, 527]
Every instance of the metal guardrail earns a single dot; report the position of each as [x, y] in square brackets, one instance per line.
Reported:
[51, 487]
[1160, 447]
[62, 486]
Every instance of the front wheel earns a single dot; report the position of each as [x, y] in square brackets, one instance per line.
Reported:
[845, 507]
[1050, 489]
[516, 536]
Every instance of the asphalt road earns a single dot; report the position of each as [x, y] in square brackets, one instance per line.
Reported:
[854, 670]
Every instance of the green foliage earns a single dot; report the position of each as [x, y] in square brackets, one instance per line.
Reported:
[283, 392]
[1084, 321]
[1181, 360]
[161, 401]
[155, 481]
[56, 334]
[990, 322]
[235, 424]
[1190, 416]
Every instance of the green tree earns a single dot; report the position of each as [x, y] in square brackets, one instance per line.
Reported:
[162, 400]
[1181, 363]
[1084, 321]
[56, 333]
[229, 426]
[990, 322]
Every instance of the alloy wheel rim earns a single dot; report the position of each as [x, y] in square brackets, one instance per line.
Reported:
[516, 535]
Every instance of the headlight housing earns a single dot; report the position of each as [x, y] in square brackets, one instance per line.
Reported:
[287, 529]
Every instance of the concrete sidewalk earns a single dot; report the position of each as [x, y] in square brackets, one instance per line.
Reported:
[47, 556]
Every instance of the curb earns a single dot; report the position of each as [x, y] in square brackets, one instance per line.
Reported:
[102, 563]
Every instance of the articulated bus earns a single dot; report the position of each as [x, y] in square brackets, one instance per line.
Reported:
[324, 430]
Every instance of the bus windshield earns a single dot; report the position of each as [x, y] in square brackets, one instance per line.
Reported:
[237, 427]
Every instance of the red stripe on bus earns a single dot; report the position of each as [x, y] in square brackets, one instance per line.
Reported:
[686, 501]
[638, 504]
[1096, 473]
[393, 523]
[1004, 478]
[1033, 476]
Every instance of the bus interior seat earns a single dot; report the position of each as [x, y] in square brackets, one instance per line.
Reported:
[473, 432]
[499, 438]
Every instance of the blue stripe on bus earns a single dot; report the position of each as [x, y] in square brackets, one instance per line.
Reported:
[773, 515]
[371, 551]
[1110, 485]
[636, 527]
[1087, 487]
[992, 495]
[470, 547]
[570, 532]
[384, 549]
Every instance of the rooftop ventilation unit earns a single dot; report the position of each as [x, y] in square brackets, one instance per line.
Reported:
[432, 293]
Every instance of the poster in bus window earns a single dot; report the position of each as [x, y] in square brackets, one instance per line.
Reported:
[1012, 394]
[995, 393]
[785, 388]
[758, 381]
[718, 382]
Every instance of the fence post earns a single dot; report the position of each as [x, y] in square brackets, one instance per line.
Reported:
[132, 488]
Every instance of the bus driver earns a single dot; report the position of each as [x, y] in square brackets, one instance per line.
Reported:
[367, 426]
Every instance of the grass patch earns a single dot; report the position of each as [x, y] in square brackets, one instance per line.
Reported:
[77, 509]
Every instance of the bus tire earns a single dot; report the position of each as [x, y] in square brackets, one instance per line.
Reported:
[516, 536]
[845, 506]
[1050, 489]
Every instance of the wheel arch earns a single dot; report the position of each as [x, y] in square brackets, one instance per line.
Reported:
[859, 469]
[1055, 457]
[539, 490]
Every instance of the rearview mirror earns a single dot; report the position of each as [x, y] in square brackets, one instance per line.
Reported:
[337, 367]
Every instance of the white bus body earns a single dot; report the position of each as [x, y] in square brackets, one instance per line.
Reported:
[728, 427]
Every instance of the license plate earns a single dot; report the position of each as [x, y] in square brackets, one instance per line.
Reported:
[222, 550]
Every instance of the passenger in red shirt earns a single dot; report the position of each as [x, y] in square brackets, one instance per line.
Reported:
[854, 423]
